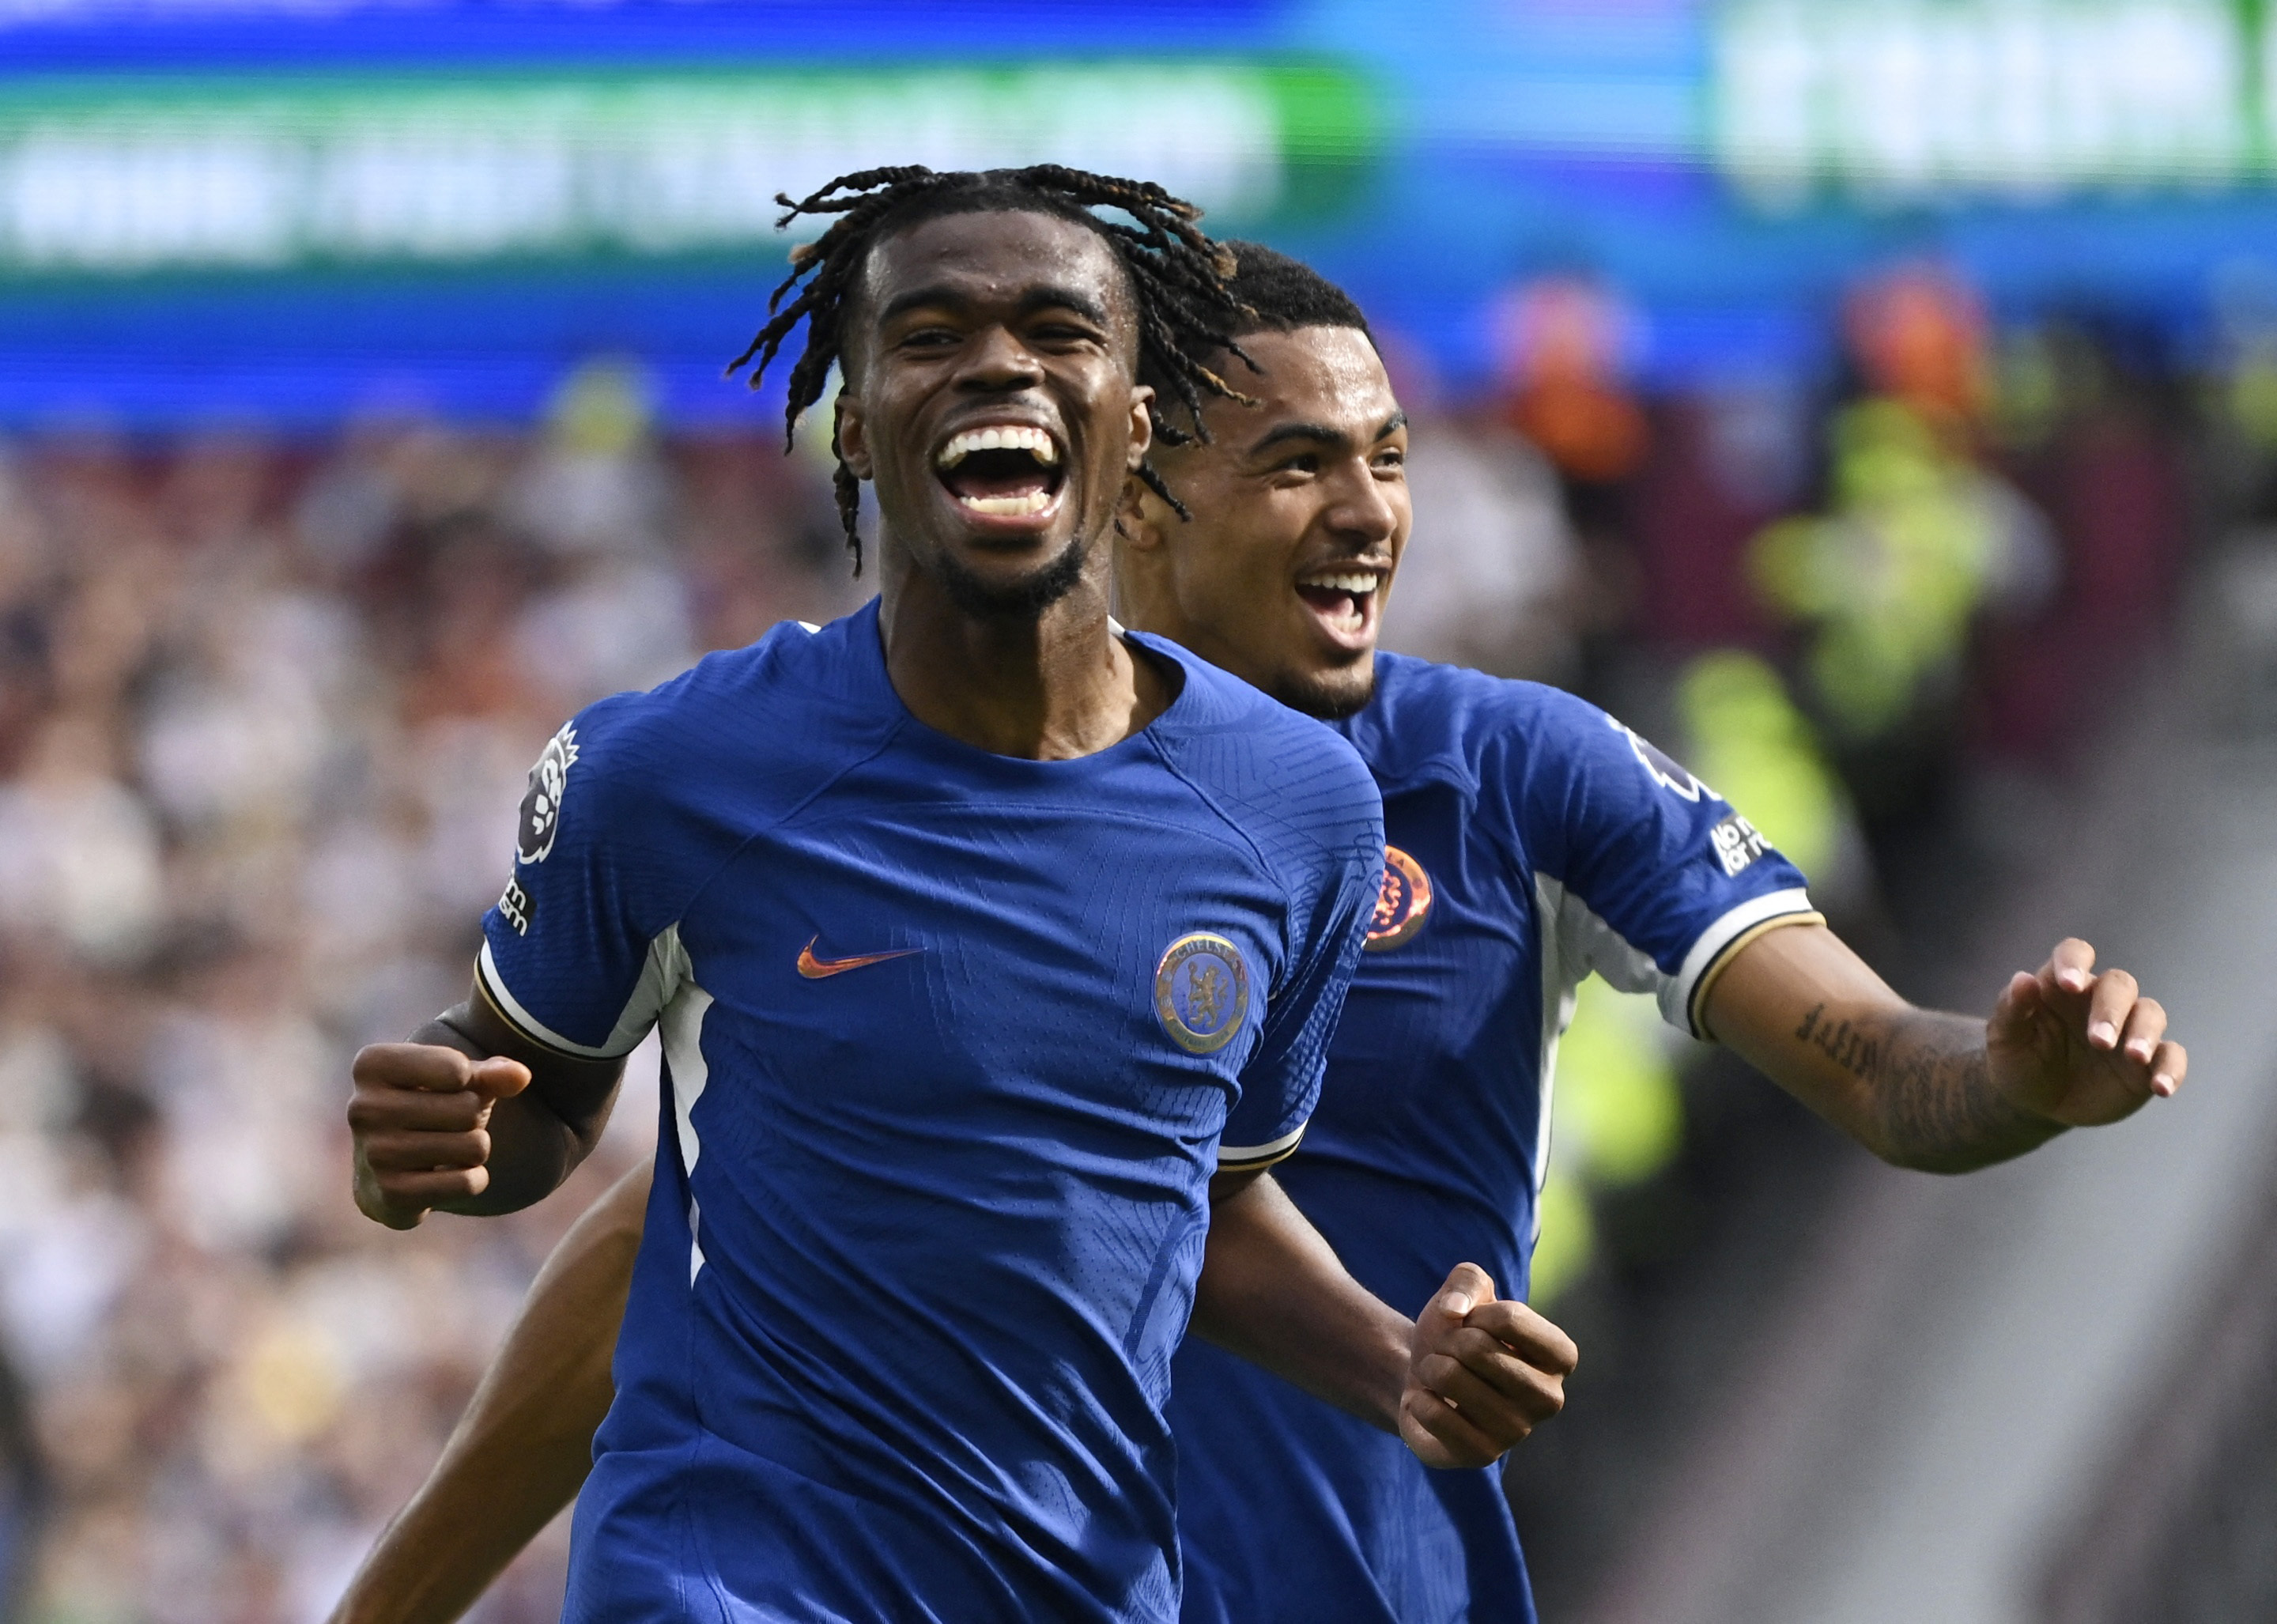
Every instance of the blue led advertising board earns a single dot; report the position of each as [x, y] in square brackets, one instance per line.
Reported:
[297, 209]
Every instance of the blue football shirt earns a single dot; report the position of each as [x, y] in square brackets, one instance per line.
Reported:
[1532, 840]
[953, 1044]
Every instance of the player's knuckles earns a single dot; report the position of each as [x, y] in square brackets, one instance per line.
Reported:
[410, 1066]
[1427, 1446]
[1543, 1396]
[1538, 1394]
[1464, 1443]
[1483, 1400]
[1436, 1370]
[385, 1110]
[392, 1153]
[1504, 1319]
[1533, 1338]
[431, 1189]
[1473, 1347]
[1451, 1379]
[1560, 1355]
[424, 1152]
[2147, 1021]
[1494, 1428]
[1483, 1351]
[391, 1163]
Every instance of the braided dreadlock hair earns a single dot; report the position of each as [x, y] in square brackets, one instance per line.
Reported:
[1178, 277]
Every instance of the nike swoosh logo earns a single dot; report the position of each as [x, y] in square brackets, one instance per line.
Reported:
[821, 969]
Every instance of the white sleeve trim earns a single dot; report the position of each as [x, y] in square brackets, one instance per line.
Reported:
[1676, 996]
[1255, 1155]
[660, 978]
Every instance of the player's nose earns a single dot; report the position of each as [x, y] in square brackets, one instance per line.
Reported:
[997, 361]
[1361, 509]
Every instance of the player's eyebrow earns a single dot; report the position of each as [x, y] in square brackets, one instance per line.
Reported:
[949, 297]
[1322, 434]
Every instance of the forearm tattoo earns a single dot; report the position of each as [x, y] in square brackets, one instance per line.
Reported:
[1931, 1100]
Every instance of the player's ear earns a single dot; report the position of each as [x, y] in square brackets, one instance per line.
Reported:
[1139, 518]
[1142, 425]
[849, 436]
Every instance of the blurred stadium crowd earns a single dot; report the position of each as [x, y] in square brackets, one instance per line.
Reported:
[266, 704]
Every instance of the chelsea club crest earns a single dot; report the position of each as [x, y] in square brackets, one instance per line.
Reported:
[1402, 905]
[1201, 992]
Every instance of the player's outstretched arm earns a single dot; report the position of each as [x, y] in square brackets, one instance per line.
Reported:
[470, 1117]
[522, 1449]
[2068, 1047]
[1461, 1385]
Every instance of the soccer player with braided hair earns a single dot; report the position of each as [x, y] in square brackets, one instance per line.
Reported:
[993, 955]
[1533, 842]
[1177, 277]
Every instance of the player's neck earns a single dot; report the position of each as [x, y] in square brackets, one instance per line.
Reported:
[1050, 687]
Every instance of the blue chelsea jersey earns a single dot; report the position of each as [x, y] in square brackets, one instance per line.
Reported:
[1532, 840]
[953, 1044]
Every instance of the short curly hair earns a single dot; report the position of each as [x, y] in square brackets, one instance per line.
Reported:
[1283, 293]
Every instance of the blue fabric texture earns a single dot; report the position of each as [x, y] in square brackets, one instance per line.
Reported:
[1554, 841]
[953, 1043]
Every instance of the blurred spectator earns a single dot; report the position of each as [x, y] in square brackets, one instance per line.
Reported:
[1562, 361]
[1490, 573]
[1564, 348]
[2093, 432]
[1726, 462]
[1918, 540]
[1742, 734]
[1918, 333]
[265, 718]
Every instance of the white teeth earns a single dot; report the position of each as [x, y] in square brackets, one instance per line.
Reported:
[1358, 585]
[1011, 437]
[1035, 501]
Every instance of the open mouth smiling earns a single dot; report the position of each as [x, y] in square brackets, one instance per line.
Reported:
[1002, 470]
[1342, 595]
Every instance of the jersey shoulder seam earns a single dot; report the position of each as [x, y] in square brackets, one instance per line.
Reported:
[1246, 840]
[824, 787]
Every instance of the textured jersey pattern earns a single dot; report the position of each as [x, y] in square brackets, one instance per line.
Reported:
[932, 1182]
[1556, 843]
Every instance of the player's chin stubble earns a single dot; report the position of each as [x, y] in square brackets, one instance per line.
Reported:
[1328, 696]
[1024, 599]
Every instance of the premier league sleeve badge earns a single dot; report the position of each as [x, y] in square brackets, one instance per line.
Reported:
[1201, 992]
[541, 803]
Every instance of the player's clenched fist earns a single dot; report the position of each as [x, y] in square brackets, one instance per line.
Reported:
[1485, 1373]
[421, 1120]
